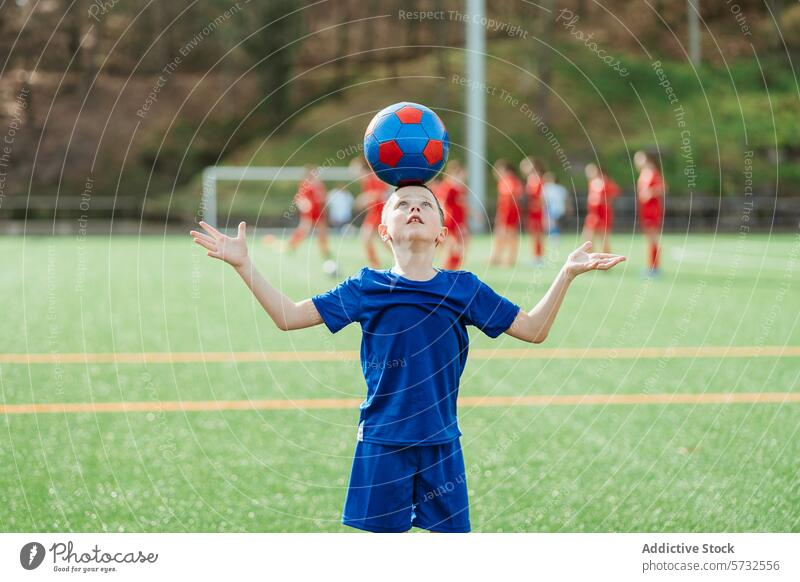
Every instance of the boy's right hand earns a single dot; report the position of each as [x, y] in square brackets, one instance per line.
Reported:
[231, 250]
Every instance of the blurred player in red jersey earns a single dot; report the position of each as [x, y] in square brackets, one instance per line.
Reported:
[533, 171]
[506, 224]
[600, 206]
[371, 201]
[650, 190]
[310, 202]
[452, 195]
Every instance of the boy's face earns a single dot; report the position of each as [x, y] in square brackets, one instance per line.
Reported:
[412, 215]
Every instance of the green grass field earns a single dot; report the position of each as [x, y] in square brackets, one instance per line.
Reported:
[591, 468]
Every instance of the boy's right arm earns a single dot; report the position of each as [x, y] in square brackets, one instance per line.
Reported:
[286, 314]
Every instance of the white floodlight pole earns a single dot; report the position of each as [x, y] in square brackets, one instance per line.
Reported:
[208, 205]
[476, 112]
[693, 14]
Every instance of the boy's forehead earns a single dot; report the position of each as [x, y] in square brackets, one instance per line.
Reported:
[412, 192]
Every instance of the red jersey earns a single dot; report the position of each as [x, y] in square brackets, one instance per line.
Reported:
[509, 189]
[650, 184]
[650, 192]
[452, 197]
[310, 198]
[374, 188]
[533, 189]
[599, 211]
[602, 191]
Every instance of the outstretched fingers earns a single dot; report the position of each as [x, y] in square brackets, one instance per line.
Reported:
[207, 244]
[210, 229]
[201, 236]
[606, 264]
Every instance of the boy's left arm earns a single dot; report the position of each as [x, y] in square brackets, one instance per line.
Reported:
[533, 326]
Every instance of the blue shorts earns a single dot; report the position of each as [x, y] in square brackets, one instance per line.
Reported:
[393, 488]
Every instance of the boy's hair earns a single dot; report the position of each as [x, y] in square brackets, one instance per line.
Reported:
[503, 165]
[649, 158]
[438, 204]
[535, 164]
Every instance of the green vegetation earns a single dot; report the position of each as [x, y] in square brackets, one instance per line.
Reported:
[594, 113]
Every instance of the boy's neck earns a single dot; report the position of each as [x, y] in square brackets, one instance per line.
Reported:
[415, 263]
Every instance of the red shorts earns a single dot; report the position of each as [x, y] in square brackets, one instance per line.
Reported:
[652, 216]
[509, 219]
[599, 222]
[535, 223]
[313, 215]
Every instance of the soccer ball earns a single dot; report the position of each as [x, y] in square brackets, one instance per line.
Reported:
[406, 143]
[330, 268]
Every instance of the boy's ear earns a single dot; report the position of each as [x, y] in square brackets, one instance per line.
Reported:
[441, 236]
[383, 232]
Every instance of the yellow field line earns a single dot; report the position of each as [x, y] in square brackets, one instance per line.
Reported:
[340, 356]
[345, 403]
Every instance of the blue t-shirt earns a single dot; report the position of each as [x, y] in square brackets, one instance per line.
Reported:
[414, 347]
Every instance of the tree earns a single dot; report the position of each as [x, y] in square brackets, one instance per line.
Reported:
[276, 25]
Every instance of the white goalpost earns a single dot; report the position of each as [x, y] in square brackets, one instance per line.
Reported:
[214, 174]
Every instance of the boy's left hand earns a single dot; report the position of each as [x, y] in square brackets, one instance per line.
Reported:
[581, 260]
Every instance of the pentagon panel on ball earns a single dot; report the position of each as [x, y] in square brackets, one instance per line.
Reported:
[406, 143]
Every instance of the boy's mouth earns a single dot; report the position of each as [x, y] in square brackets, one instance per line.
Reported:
[414, 219]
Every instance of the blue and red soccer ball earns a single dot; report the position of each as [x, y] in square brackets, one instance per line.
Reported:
[406, 143]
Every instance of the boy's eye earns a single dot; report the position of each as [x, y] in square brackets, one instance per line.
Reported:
[428, 204]
[401, 203]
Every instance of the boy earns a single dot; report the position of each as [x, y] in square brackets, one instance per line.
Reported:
[599, 205]
[340, 207]
[452, 195]
[533, 170]
[370, 202]
[310, 202]
[507, 219]
[556, 199]
[413, 351]
[650, 191]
